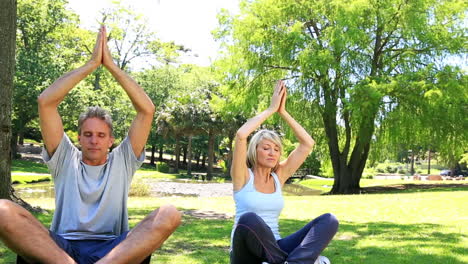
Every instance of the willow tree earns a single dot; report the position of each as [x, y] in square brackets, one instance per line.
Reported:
[348, 59]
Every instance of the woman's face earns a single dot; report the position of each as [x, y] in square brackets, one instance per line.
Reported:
[268, 154]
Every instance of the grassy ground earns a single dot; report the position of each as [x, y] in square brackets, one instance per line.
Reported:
[325, 185]
[420, 228]
[429, 226]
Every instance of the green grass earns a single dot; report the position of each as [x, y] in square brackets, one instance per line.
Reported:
[325, 185]
[417, 228]
[25, 166]
[24, 171]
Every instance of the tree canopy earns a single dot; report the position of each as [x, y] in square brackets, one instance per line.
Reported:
[354, 62]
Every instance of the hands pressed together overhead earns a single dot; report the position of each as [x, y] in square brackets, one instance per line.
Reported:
[101, 53]
[278, 100]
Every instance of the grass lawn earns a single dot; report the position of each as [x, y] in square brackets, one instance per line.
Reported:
[417, 227]
[325, 185]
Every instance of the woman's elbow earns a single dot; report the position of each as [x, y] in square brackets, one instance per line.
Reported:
[309, 144]
[240, 135]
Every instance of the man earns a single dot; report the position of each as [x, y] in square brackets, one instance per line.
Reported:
[90, 223]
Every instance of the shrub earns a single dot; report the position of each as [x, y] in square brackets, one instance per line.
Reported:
[401, 171]
[162, 167]
[223, 166]
[139, 188]
[391, 169]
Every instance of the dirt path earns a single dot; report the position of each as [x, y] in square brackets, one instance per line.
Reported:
[169, 188]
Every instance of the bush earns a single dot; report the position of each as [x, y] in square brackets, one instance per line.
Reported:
[223, 166]
[368, 173]
[162, 167]
[391, 169]
[326, 170]
[139, 188]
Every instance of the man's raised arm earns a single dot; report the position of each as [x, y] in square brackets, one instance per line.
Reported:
[50, 98]
[141, 125]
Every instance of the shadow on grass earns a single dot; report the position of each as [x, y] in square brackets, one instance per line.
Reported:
[390, 243]
[207, 241]
[414, 188]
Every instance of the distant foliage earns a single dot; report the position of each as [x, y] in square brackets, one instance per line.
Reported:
[162, 167]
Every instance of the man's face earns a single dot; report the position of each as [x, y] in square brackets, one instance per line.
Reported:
[95, 140]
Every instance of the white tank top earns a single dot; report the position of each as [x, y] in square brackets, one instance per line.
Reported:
[266, 205]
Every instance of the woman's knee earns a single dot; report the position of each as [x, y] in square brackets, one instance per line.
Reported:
[249, 219]
[330, 220]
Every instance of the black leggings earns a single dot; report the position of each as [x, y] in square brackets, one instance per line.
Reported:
[254, 242]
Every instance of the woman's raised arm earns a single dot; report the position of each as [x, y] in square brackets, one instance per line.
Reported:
[306, 143]
[239, 166]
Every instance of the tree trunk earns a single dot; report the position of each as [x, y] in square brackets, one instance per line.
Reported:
[189, 155]
[177, 154]
[348, 173]
[185, 155]
[203, 160]
[153, 150]
[209, 171]
[198, 159]
[14, 145]
[161, 157]
[229, 157]
[21, 138]
[412, 162]
[429, 163]
[97, 79]
[7, 71]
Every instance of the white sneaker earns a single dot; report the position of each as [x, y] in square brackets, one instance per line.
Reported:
[322, 260]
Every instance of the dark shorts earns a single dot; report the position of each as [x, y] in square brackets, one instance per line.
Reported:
[86, 251]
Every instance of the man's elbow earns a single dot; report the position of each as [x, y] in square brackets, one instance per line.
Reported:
[42, 101]
[148, 109]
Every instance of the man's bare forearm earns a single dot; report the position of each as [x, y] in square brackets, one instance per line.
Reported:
[54, 94]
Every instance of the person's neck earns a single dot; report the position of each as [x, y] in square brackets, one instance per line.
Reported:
[94, 162]
[262, 173]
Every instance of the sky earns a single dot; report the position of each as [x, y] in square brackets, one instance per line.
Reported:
[186, 22]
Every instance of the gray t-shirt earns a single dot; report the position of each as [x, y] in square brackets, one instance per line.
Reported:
[91, 201]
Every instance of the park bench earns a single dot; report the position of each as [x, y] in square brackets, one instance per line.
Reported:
[198, 176]
[299, 174]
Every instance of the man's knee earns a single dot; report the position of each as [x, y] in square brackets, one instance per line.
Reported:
[167, 216]
[7, 212]
[7, 208]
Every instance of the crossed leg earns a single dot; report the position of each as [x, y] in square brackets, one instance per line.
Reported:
[146, 237]
[27, 237]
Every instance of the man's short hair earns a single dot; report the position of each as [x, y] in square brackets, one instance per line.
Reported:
[96, 112]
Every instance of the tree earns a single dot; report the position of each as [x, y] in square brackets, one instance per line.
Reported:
[46, 46]
[354, 61]
[131, 38]
[7, 70]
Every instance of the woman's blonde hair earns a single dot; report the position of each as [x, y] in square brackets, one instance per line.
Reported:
[256, 139]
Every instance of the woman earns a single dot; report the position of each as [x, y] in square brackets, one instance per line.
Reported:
[257, 187]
